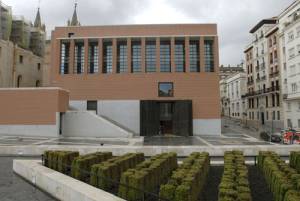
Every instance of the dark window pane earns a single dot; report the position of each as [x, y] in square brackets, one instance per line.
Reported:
[180, 56]
[166, 89]
[165, 56]
[209, 56]
[136, 61]
[194, 56]
[150, 56]
[93, 57]
[107, 57]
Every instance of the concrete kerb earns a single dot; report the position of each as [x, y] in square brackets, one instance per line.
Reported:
[58, 185]
[182, 151]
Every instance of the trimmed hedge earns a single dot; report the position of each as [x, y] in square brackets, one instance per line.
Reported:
[295, 160]
[81, 166]
[187, 182]
[283, 180]
[60, 160]
[234, 184]
[105, 175]
[147, 176]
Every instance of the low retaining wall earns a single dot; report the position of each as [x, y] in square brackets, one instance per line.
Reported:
[59, 185]
[182, 151]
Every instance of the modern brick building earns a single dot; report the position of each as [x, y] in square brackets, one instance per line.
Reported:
[150, 79]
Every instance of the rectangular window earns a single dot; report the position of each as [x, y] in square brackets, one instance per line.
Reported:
[180, 55]
[278, 100]
[122, 64]
[165, 56]
[274, 115]
[93, 57]
[194, 56]
[64, 57]
[289, 123]
[267, 101]
[21, 59]
[165, 89]
[278, 115]
[267, 115]
[150, 56]
[79, 58]
[209, 55]
[92, 106]
[136, 58]
[107, 57]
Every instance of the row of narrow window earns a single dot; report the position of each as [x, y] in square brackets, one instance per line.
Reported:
[136, 57]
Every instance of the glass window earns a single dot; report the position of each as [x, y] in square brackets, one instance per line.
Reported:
[165, 56]
[93, 57]
[209, 56]
[165, 89]
[136, 57]
[150, 56]
[278, 115]
[107, 57]
[79, 58]
[122, 57]
[179, 56]
[194, 56]
[64, 57]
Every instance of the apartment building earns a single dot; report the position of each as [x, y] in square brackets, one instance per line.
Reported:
[226, 71]
[264, 97]
[151, 79]
[289, 38]
[21, 50]
[233, 89]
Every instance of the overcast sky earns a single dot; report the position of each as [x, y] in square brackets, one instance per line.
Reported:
[234, 17]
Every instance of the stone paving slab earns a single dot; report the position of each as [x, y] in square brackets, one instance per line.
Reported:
[173, 141]
[14, 188]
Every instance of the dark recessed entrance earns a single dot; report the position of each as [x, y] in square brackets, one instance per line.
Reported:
[166, 118]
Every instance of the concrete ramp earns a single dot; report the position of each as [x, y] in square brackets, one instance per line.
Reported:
[89, 124]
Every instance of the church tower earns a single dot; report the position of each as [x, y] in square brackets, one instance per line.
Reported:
[74, 21]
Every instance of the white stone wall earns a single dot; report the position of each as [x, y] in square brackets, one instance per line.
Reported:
[78, 105]
[207, 127]
[125, 112]
[88, 124]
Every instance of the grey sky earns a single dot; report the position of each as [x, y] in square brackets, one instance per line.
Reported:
[234, 17]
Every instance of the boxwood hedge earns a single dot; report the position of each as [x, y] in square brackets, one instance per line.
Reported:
[81, 165]
[60, 160]
[147, 176]
[234, 184]
[187, 182]
[295, 160]
[283, 180]
[106, 175]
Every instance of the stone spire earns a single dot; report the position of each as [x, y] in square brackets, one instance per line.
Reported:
[74, 21]
[38, 21]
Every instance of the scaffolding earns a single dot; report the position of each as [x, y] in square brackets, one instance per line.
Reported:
[21, 30]
[5, 21]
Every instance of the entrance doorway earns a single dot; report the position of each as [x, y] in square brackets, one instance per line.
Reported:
[166, 117]
[262, 118]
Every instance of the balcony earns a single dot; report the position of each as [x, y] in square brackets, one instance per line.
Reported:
[263, 66]
[262, 91]
[284, 96]
[274, 74]
[257, 68]
[250, 83]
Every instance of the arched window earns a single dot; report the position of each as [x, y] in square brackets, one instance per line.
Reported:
[19, 81]
[37, 83]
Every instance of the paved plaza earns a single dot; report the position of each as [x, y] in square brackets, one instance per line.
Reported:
[14, 188]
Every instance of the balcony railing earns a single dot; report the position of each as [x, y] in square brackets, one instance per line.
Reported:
[250, 83]
[263, 91]
[274, 74]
